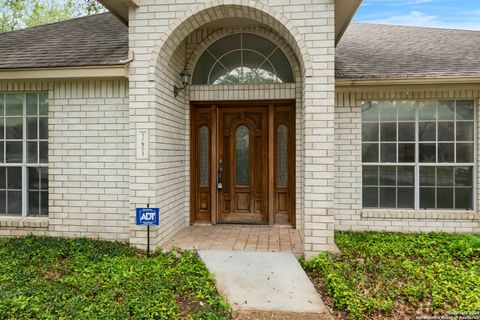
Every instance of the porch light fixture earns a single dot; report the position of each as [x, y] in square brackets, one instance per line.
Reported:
[185, 78]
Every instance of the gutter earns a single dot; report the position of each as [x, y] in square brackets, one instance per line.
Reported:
[407, 81]
[96, 72]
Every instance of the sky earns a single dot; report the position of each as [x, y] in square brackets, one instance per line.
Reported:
[454, 14]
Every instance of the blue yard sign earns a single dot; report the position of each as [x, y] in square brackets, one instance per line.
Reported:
[148, 216]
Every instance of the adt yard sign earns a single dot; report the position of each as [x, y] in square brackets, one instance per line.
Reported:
[148, 216]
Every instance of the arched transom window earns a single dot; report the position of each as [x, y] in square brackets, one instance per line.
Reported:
[242, 58]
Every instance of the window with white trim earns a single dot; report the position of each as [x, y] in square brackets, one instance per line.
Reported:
[418, 154]
[24, 154]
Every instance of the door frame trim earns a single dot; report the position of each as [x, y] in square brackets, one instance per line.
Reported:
[214, 106]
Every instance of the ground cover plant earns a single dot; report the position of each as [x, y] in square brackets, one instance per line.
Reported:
[50, 278]
[400, 276]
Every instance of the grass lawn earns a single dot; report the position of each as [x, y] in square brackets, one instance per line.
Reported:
[398, 276]
[49, 278]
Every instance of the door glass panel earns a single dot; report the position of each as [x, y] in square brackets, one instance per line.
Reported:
[203, 156]
[242, 156]
[282, 155]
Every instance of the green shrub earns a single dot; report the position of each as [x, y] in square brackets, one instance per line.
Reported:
[49, 278]
[435, 273]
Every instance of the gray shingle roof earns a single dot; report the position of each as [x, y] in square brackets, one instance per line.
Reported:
[89, 41]
[366, 51]
[369, 51]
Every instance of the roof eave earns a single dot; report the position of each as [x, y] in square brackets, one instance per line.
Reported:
[119, 8]
[344, 12]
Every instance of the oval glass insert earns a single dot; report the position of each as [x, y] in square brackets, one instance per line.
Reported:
[242, 155]
[203, 165]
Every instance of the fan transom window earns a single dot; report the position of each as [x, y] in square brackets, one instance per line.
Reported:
[242, 58]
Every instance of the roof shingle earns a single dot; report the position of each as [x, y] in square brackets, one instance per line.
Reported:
[372, 51]
[88, 41]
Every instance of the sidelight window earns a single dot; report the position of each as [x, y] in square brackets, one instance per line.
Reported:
[24, 154]
[418, 154]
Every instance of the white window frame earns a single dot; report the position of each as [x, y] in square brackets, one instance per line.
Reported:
[417, 164]
[24, 164]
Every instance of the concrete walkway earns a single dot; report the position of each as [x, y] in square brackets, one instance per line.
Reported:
[264, 281]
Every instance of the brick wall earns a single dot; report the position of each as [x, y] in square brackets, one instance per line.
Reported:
[349, 214]
[88, 160]
[158, 30]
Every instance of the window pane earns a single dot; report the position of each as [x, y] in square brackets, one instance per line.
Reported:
[14, 104]
[446, 131]
[463, 198]
[370, 176]
[14, 127]
[370, 152]
[242, 156]
[406, 176]
[2, 153]
[3, 178]
[44, 178]
[14, 152]
[465, 110]
[2, 103]
[465, 131]
[14, 178]
[427, 131]
[388, 111]
[446, 110]
[3, 202]
[406, 152]
[446, 152]
[427, 198]
[406, 198]
[445, 198]
[2, 126]
[427, 110]
[464, 176]
[370, 111]
[282, 139]
[370, 131]
[388, 131]
[388, 197]
[388, 152]
[204, 156]
[33, 179]
[406, 110]
[44, 203]
[43, 127]
[43, 98]
[32, 152]
[370, 197]
[31, 128]
[427, 152]
[427, 176]
[444, 176]
[33, 203]
[43, 152]
[388, 176]
[464, 152]
[14, 200]
[406, 131]
[32, 104]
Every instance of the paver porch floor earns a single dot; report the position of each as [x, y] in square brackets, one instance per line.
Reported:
[238, 238]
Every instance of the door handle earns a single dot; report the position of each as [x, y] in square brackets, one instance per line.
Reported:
[220, 174]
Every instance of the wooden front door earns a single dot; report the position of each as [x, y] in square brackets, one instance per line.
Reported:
[242, 163]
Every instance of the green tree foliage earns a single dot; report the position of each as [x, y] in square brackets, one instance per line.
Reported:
[19, 14]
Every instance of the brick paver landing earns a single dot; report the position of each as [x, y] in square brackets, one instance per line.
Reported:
[238, 238]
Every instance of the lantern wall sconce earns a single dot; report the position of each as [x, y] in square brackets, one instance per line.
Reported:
[185, 78]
